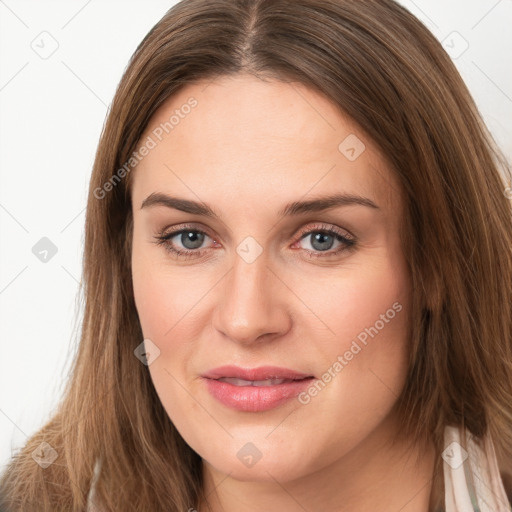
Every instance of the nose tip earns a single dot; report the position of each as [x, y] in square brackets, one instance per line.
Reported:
[252, 307]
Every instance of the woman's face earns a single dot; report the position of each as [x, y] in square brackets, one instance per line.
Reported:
[290, 219]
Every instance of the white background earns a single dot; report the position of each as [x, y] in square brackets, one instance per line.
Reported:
[52, 113]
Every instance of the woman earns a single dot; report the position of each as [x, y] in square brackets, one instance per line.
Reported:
[297, 274]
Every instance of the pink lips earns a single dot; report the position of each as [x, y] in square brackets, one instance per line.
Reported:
[254, 398]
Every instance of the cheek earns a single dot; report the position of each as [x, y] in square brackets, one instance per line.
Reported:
[367, 303]
[156, 303]
[165, 306]
[164, 298]
[364, 352]
[365, 357]
[168, 302]
[374, 328]
[374, 310]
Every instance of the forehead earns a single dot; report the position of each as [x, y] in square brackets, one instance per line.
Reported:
[269, 141]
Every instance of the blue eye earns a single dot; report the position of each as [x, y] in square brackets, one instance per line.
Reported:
[194, 238]
[191, 240]
[322, 238]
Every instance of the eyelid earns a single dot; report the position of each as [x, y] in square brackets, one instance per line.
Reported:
[170, 233]
[307, 229]
[321, 226]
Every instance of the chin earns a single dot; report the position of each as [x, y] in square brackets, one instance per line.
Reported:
[242, 462]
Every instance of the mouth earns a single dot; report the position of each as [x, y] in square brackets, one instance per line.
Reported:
[255, 375]
[258, 383]
[255, 390]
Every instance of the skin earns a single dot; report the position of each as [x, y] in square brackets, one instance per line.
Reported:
[248, 148]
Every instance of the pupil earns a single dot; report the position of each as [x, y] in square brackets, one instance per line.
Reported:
[325, 241]
[195, 239]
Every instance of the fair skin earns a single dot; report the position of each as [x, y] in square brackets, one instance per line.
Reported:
[247, 149]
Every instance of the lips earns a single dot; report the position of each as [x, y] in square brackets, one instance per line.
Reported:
[256, 389]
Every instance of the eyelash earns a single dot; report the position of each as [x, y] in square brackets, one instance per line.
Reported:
[164, 237]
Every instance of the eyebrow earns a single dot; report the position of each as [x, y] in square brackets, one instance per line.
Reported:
[319, 204]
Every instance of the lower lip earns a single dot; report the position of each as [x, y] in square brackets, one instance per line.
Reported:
[255, 398]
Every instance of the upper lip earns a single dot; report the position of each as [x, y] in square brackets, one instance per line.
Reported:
[260, 373]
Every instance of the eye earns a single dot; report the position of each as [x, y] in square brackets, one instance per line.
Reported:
[186, 241]
[323, 237]
[189, 237]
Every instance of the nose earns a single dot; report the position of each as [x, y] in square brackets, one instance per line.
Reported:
[253, 303]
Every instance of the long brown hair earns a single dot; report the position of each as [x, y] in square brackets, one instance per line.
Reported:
[387, 72]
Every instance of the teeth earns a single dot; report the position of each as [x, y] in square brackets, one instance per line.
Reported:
[269, 382]
[243, 382]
